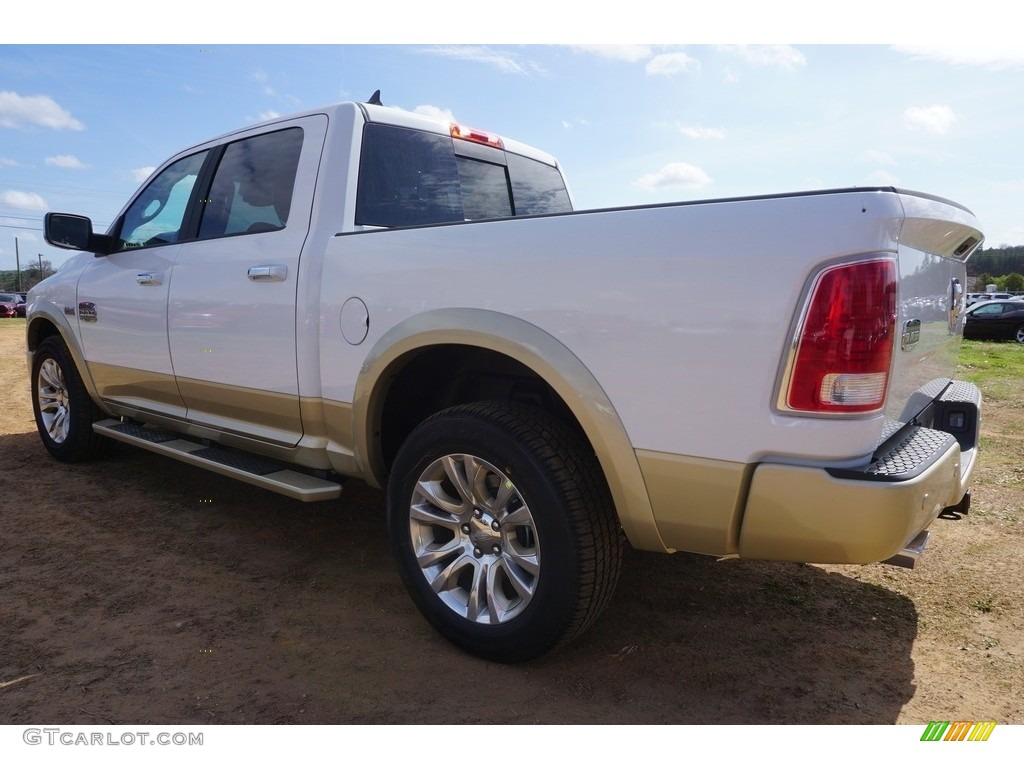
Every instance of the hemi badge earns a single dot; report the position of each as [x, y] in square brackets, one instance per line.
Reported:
[911, 334]
[87, 312]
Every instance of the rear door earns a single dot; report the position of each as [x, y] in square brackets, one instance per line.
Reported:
[231, 308]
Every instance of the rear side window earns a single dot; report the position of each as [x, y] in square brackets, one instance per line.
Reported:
[409, 177]
[252, 187]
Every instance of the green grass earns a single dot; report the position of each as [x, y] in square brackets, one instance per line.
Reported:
[997, 367]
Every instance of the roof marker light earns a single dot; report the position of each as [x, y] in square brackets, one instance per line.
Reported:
[480, 137]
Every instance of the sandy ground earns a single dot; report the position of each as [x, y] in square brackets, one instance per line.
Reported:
[140, 590]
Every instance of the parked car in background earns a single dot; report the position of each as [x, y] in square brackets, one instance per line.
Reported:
[995, 320]
[11, 305]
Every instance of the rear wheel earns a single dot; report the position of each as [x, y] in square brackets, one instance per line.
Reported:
[1019, 335]
[503, 529]
[63, 409]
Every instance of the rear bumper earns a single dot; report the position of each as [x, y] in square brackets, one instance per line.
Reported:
[800, 513]
[816, 516]
[869, 513]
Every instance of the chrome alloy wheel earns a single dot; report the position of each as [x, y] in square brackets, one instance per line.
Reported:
[53, 398]
[474, 539]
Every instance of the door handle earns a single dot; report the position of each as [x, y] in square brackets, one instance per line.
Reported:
[149, 278]
[268, 273]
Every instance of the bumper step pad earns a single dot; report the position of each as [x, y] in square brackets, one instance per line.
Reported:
[904, 458]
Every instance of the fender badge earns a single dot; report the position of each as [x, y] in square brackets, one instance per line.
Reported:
[87, 312]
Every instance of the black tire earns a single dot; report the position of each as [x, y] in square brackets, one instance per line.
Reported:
[63, 409]
[538, 520]
[1018, 335]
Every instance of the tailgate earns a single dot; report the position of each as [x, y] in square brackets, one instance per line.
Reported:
[936, 239]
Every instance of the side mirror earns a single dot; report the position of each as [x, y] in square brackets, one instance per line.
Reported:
[68, 230]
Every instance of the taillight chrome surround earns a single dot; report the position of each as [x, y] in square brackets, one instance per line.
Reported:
[840, 357]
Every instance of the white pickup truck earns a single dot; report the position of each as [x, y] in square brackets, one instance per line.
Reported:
[363, 292]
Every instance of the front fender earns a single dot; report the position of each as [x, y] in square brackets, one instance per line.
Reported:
[47, 319]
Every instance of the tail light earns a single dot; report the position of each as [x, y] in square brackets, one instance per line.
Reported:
[845, 342]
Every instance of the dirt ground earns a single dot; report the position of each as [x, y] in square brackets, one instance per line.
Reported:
[140, 590]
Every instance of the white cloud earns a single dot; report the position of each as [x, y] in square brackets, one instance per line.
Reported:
[937, 119]
[8, 163]
[500, 60]
[883, 179]
[676, 175]
[28, 201]
[700, 132]
[877, 157]
[141, 174]
[269, 114]
[630, 53]
[671, 64]
[429, 110]
[18, 111]
[781, 56]
[994, 56]
[66, 161]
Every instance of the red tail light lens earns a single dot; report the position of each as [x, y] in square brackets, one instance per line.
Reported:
[845, 343]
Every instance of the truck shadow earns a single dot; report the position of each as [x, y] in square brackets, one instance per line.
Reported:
[181, 596]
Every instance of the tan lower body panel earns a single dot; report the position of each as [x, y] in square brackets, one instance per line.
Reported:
[697, 503]
[271, 416]
[139, 389]
[805, 515]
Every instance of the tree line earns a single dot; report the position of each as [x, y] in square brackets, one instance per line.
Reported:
[1004, 260]
[36, 272]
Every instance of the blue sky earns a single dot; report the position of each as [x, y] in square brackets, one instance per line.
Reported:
[80, 126]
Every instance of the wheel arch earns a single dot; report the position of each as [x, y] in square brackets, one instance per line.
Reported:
[484, 351]
[46, 321]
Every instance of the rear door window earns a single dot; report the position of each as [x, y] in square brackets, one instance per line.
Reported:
[252, 187]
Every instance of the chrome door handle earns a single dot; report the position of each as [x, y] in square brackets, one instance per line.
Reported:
[149, 278]
[268, 273]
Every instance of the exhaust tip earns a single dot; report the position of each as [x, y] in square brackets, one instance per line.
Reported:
[908, 556]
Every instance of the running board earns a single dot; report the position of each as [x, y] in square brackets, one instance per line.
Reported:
[247, 467]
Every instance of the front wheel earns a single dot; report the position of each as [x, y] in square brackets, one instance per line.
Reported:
[1019, 335]
[503, 529]
[63, 409]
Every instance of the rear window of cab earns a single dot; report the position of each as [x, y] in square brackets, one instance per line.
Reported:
[410, 178]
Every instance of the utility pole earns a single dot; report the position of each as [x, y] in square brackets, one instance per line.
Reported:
[17, 264]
